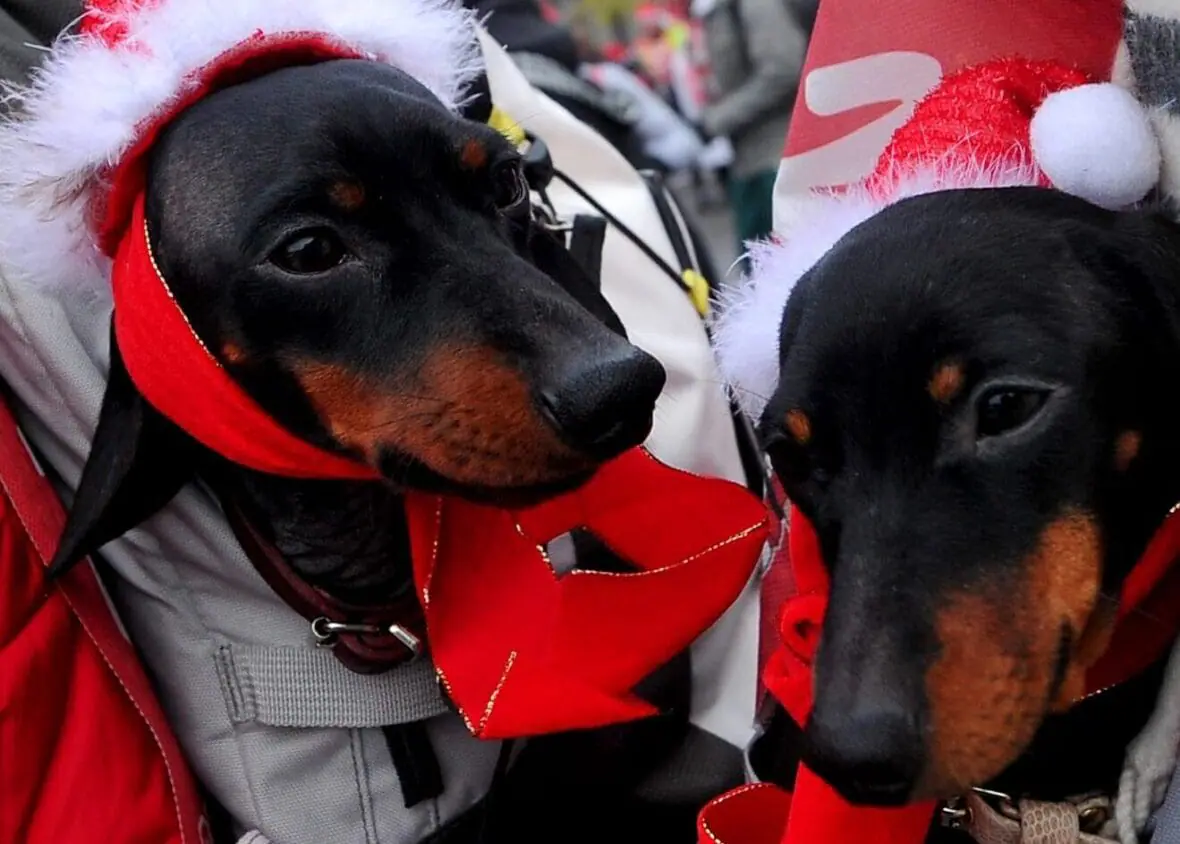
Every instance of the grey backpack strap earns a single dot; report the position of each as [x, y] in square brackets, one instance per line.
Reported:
[308, 687]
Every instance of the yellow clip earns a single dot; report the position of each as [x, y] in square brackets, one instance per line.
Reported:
[698, 290]
[506, 126]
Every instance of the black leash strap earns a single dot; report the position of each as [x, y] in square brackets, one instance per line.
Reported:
[415, 762]
[624, 230]
[587, 238]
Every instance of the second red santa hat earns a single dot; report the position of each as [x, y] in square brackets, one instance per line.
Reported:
[1004, 123]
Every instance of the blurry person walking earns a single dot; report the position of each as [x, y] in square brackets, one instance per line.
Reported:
[756, 49]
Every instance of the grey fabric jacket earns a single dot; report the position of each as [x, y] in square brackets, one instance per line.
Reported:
[756, 48]
[25, 27]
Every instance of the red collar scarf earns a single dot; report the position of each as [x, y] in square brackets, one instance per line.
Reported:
[1147, 625]
[520, 650]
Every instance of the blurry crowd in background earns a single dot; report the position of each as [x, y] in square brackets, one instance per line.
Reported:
[700, 90]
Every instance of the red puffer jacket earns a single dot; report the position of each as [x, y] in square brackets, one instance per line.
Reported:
[85, 752]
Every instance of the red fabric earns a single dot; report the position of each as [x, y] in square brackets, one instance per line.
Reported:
[778, 584]
[752, 814]
[1149, 611]
[821, 816]
[978, 114]
[524, 651]
[176, 373]
[106, 19]
[813, 814]
[85, 751]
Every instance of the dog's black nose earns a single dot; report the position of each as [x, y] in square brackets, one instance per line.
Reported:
[872, 756]
[601, 406]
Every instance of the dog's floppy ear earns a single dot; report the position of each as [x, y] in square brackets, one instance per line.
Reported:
[138, 463]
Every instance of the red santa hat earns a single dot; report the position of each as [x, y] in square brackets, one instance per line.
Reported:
[1001, 124]
[72, 180]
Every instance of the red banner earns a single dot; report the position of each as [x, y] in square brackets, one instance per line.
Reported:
[869, 62]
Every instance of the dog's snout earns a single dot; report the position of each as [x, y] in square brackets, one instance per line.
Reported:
[872, 755]
[603, 406]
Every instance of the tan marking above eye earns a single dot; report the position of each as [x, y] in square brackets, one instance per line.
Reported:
[474, 155]
[348, 195]
[947, 382]
[799, 426]
[233, 353]
[1126, 449]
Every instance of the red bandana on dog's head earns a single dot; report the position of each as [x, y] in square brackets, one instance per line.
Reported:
[493, 608]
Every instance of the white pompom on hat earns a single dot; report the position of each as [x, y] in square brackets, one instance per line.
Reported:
[1000, 124]
[1096, 141]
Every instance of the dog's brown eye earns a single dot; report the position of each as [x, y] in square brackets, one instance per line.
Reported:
[509, 189]
[1006, 409]
[309, 252]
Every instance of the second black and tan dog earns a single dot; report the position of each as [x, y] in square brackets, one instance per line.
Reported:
[976, 409]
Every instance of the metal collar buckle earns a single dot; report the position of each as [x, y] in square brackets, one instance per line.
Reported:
[327, 633]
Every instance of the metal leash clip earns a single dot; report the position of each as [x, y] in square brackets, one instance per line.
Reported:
[545, 216]
[1093, 812]
[956, 814]
[327, 633]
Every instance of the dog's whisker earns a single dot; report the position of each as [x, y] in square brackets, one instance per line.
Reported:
[1139, 611]
[735, 388]
[422, 397]
[430, 416]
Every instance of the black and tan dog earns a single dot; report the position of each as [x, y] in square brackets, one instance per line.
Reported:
[976, 409]
[363, 262]
[359, 259]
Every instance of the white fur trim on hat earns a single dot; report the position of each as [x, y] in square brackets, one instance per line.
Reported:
[1096, 141]
[80, 114]
[749, 314]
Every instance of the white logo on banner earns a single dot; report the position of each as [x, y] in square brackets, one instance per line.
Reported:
[901, 77]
